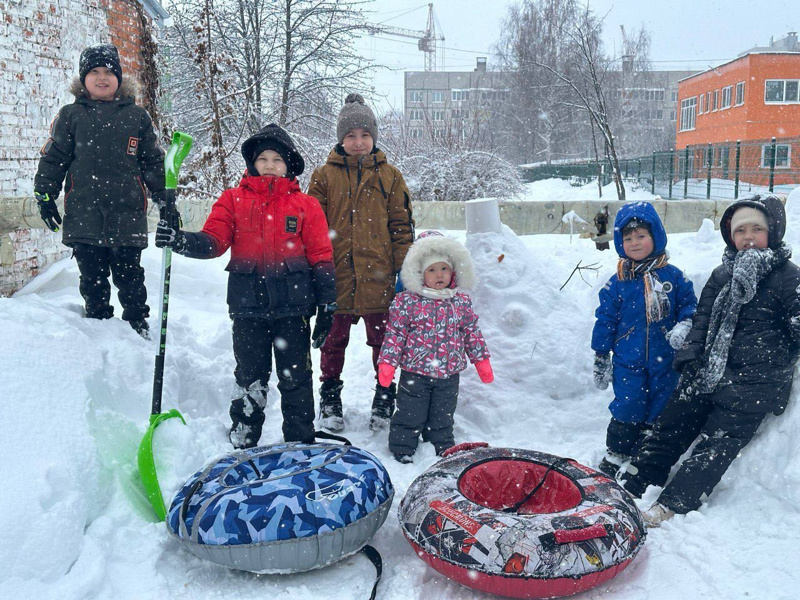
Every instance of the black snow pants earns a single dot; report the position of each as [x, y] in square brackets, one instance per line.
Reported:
[723, 433]
[253, 341]
[425, 405]
[95, 264]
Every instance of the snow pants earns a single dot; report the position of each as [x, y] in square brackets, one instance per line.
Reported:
[95, 264]
[425, 405]
[253, 341]
[723, 433]
[640, 394]
[332, 352]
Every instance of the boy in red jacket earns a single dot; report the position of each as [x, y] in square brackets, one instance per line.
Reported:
[281, 269]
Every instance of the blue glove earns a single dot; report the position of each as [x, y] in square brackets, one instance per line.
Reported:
[399, 287]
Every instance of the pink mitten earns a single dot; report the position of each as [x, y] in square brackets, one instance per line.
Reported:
[385, 374]
[485, 370]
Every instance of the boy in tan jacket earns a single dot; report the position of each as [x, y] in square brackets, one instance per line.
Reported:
[368, 208]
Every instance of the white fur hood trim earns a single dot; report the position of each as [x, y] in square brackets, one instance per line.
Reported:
[460, 258]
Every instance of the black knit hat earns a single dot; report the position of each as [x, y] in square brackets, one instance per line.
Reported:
[100, 55]
[274, 138]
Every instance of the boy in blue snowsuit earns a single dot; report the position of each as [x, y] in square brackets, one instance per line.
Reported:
[645, 313]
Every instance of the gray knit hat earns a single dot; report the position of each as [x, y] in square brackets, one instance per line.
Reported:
[356, 114]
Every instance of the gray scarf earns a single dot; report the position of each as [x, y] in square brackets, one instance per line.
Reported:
[747, 268]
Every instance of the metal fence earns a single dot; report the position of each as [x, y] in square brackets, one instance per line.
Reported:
[719, 171]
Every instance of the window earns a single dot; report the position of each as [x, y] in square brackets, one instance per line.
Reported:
[726, 96]
[673, 96]
[417, 96]
[458, 95]
[708, 102]
[688, 113]
[783, 156]
[660, 114]
[673, 115]
[437, 96]
[715, 101]
[415, 114]
[459, 113]
[781, 90]
[416, 133]
[740, 93]
[437, 115]
[700, 104]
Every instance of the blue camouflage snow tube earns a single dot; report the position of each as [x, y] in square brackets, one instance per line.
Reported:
[283, 508]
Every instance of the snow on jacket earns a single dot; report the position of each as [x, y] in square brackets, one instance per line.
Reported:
[766, 342]
[108, 153]
[621, 324]
[431, 336]
[366, 202]
[281, 257]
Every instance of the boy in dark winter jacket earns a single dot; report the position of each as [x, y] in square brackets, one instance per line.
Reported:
[644, 314]
[366, 202]
[736, 364]
[105, 147]
[280, 271]
[431, 328]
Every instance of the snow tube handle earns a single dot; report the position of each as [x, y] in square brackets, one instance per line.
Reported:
[566, 536]
[463, 447]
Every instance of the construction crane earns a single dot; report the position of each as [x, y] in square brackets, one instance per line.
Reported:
[426, 40]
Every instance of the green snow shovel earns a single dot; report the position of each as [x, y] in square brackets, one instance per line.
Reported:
[181, 144]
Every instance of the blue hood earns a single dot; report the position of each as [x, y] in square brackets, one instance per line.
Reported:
[641, 211]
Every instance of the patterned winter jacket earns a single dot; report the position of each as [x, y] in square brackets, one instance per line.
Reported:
[430, 337]
[281, 257]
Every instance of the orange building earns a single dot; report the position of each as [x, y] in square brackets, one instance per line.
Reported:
[750, 99]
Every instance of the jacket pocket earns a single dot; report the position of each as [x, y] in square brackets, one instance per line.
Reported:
[245, 288]
[625, 335]
[299, 289]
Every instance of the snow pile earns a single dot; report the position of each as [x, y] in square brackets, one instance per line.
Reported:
[76, 399]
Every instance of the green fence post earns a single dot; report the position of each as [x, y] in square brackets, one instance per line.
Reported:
[686, 174]
[671, 171]
[709, 159]
[653, 179]
[736, 180]
[772, 161]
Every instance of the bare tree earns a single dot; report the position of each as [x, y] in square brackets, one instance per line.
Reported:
[235, 65]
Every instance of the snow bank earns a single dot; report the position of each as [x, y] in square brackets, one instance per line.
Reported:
[77, 395]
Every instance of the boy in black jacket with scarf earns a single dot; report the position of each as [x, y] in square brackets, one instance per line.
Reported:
[736, 364]
[105, 147]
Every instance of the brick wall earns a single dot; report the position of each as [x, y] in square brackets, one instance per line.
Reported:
[40, 43]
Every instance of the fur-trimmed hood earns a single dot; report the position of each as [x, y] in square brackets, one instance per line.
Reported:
[126, 91]
[430, 243]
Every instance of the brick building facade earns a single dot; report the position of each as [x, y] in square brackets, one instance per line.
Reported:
[40, 43]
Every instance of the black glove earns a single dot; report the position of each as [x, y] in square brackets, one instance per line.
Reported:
[48, 210]
[323, 324]
[170, 237]
[602, 370]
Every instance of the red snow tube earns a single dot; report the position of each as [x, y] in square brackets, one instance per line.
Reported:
[520, 523]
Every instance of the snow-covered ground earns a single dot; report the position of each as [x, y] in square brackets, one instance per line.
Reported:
[76, 397]
[561, 190]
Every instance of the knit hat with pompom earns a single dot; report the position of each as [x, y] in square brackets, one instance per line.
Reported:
[355, 114]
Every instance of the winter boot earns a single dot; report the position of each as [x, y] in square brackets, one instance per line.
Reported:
[611, 463]
[141, 327]
[247, 415]
[404, 458]
[330, 405]
[657, 514]
[382, 406]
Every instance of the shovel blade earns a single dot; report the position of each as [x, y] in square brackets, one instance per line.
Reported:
[147, 463]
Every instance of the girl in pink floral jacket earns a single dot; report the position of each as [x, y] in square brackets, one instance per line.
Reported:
[431, 328]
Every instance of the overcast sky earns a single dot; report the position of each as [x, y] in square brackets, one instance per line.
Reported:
[685, 33]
